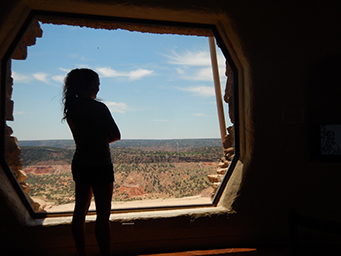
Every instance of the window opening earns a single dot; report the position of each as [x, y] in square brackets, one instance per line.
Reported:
[161, 94]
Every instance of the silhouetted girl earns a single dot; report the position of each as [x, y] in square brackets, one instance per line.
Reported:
[93, 128]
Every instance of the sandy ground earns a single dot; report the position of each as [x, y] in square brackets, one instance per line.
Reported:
[194, 200]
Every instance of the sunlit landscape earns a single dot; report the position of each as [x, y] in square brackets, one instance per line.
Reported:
[144, 170]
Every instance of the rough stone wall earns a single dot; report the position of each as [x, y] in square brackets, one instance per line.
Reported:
[228, 144]
[12, 149]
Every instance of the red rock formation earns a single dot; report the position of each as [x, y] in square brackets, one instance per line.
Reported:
[132, 190]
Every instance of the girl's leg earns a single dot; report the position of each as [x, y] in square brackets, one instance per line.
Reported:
[103, 196]
[83, 200]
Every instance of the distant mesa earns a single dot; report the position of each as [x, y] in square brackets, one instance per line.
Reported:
[145, 144]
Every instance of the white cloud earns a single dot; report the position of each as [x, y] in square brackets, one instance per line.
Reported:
[196, 66]
[16, 112]
[132, 75]
[41, 77]
[180, 70]
[108, 72]
[65, 70]
[139, 73]
[192, 58]
[20, 78]
[117, 107]
[201, 90]
[202, 74]
[59, 78]
[199, 58]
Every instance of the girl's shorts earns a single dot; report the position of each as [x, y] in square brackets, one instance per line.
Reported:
[92, 175]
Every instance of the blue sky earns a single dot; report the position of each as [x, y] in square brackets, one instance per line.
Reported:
[156, 86]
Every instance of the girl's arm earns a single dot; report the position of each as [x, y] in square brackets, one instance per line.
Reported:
[111, 127]
[114, 132]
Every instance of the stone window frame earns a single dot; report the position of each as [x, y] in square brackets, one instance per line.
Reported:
[230, 144]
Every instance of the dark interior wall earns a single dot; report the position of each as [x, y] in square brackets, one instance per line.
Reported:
[286, 43]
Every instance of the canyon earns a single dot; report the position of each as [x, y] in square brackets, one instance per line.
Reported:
[141, 174]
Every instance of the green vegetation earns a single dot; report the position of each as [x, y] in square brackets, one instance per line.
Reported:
[45, 155]
[140, 173]
[162, 180]
[131, 155]
[58, 188]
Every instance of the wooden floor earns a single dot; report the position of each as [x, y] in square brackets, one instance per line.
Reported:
[221, 252]
[304, 250]
[269, 251]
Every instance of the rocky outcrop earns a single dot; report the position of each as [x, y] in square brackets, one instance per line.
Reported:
[47, 169]
[12, 150]
[228, 143]
[131, 190]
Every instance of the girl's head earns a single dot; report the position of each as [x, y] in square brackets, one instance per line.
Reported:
[80, 83]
